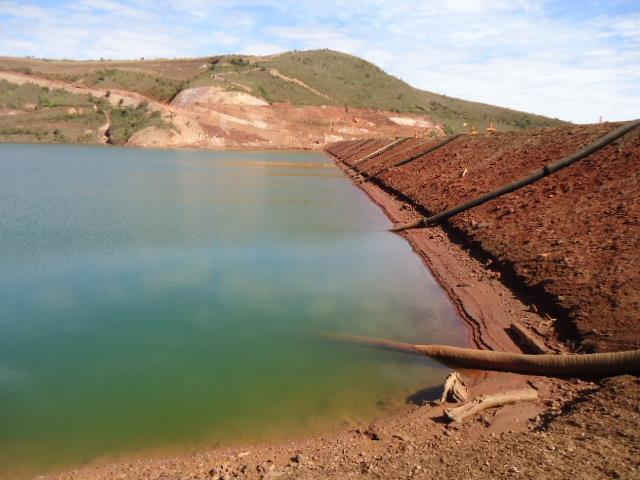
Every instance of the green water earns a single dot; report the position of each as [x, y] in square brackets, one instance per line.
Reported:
[167, 299]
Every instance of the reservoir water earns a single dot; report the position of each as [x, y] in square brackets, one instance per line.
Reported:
[169, 299]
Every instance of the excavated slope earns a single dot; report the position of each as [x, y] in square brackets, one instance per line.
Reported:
[568, 242]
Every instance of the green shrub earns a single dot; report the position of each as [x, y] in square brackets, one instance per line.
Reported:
[128, 120]
[264, 94]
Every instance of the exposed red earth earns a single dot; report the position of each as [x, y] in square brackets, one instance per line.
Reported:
[407, 149]
[208, 117]
[223, 119]
[569, 242]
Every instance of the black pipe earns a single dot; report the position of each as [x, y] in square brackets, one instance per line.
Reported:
[393, 144]
[414, 157]
[532, 177]
[354, 153]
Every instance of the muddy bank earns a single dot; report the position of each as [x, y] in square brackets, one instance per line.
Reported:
[567, 244]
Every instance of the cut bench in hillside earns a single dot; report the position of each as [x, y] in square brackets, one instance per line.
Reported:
[302, 100]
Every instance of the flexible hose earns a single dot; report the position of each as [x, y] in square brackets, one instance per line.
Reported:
[532, 177]
[413, 157]
[589, 365]
[355, 152]
[380, 151]
[348, 149]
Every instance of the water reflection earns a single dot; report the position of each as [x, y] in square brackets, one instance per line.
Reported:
[159, 298]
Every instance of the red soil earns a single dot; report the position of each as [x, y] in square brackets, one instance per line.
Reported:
[407, 149]
[569, 242]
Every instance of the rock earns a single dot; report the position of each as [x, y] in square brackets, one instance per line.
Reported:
[299, 458]
[372, 434]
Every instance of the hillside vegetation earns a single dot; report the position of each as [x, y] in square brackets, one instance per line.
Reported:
[358, 83]
[34, 114]
[318, 77]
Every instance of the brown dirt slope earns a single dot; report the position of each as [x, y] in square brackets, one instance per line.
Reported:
[407, 149]
[570, 240]
[367, 149]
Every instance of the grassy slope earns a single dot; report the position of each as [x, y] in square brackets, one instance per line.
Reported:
[34, 114]
[152, 86]
[354, 82]
[347, 80]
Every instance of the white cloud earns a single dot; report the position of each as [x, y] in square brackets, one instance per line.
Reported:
[574, 62]
[261, 48]
[110, 7]
[316, 37]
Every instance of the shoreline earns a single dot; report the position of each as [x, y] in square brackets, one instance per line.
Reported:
[485, 307]
[485, 304]
[177, 148]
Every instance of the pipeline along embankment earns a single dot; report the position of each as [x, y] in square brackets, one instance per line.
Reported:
[567, 243]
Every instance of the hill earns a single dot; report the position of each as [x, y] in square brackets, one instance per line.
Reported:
[300, 79]
[347, 80]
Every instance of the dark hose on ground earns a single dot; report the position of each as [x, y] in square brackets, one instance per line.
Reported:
[532, 177]
[413, 157]
[380, 151]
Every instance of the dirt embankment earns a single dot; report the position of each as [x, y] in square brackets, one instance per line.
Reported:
[558, 257]
[567, 243]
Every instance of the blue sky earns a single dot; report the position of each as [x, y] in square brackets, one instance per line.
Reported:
[567, 59]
